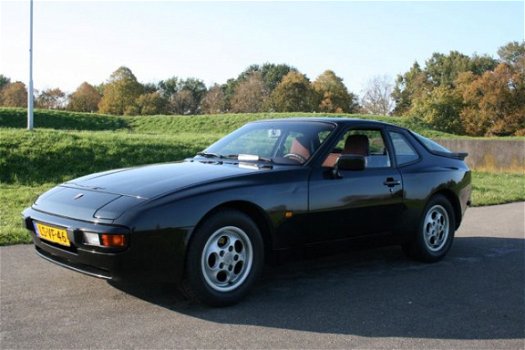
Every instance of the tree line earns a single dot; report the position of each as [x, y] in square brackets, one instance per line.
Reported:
[259, 88]
[473, 95]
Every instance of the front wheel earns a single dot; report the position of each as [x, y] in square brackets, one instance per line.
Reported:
[435, 232]
[225, 257]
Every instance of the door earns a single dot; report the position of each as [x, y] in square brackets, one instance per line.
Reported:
[359, 202]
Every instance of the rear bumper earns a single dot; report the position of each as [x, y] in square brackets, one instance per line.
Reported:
[150, 255]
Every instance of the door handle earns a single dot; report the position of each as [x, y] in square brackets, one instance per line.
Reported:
[391, 182]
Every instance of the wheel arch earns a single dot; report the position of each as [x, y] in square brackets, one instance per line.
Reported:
[254, 212]
[454, 201]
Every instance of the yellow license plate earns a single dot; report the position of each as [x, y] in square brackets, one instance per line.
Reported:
[53, 234]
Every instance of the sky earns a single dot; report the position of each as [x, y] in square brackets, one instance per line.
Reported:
[76, 41]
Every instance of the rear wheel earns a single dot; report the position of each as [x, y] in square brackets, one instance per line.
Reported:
[435, 232]
[225, 257]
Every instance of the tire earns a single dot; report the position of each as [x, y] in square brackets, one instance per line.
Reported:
[224, 259]
[435, 232]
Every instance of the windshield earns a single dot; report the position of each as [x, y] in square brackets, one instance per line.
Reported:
[431, 145]
[287, 142]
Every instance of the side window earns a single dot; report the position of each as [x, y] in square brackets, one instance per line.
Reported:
[402, 148]
[365, 142]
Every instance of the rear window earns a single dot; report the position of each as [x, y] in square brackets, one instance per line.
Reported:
[431, 145]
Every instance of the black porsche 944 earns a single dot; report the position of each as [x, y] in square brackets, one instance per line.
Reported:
[210, 222]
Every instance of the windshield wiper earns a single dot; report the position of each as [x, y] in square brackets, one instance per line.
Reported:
[210, 155]
[267, 160]
[239, 157]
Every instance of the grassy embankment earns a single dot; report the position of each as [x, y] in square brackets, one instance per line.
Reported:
[67, 145]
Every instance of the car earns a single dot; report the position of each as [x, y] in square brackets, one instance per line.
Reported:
[210, 222]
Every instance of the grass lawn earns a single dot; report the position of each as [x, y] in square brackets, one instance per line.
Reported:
[53, 156]
[494, 188]
[14, 199]
[172, 124]
[488, 189]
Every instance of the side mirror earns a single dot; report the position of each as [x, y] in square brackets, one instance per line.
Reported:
[349, 162]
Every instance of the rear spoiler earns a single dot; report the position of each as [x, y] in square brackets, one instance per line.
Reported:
[455, 155]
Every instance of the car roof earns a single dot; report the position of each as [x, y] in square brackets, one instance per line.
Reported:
[338, 121]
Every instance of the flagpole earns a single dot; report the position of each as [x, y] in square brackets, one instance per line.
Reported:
[30, 92]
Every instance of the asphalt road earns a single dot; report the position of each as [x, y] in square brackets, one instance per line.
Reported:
[475, 298]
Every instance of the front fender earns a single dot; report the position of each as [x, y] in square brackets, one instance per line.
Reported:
[183, 211]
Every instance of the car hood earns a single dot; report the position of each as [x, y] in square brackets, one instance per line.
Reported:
[105, 196]
[158, 179]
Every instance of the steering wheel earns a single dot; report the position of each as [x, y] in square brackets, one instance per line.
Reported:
[297, 157]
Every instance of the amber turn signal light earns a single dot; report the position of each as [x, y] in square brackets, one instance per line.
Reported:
[112, 240]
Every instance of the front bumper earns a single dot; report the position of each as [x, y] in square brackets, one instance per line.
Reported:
[149, 255]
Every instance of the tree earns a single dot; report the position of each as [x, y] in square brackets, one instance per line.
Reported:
[172, 89]
[495, 102]
[512, 53]
[197, 88]
[214, 101]
[151, 103]
[120, 92]
[51, 99]
[439, 70]
[293, 94]
[4, 81]
[377, 96]
[481, 64]
[150, 87]
[444, 69]
[250, 95]
[332, 94]
[100, 88]
[14, 95]
[408, 87]
[229, 91]
[440, 109]
[85, 99]
[169, 87]
[271, 74]
[182, 102]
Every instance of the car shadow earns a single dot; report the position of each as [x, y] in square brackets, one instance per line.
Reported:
[476, 292]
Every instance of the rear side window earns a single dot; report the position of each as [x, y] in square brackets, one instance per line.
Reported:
[403, 150]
